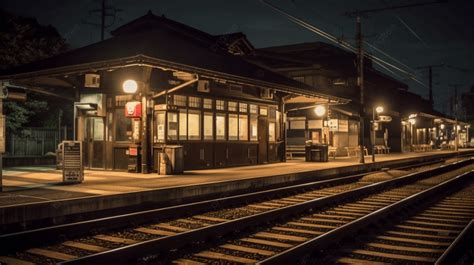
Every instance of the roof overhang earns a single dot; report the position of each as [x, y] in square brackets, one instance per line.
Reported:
[436, 118]
[143, 60]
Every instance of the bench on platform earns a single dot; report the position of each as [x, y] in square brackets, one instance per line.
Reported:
[355, 151]
[382, 149]
[422, 148]
[332, 151]
[295, 149]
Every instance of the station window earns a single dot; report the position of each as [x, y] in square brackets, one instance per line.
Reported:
[243, 107]
[123, 126]
[220, 126]
[233, 127]
[253, 109]
[243, 128]
[160, 127]
[183, 124]
[194, 102]
[194, 125]
[220, 104]
[232, 106]
[172, 126]
[271, 132]
[207, 104]
[179, 100]
[208, 126]
[263, 111]
[253, 128]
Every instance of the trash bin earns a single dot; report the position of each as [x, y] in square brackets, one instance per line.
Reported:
[316, 152]
[170, 161]
[134, 159]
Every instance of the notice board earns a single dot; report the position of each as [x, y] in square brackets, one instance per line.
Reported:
[73, 170]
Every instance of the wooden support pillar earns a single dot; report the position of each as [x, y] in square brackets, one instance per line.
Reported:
[146, 121]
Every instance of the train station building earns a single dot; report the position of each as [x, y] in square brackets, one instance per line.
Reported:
[158, 85]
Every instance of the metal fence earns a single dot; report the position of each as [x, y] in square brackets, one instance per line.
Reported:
[36, 142]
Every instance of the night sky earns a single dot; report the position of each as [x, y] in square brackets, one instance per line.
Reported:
[440, 33]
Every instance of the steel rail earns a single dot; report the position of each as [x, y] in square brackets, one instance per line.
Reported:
[129, 254]
[332, 237]
[24, 239]
[450, 256]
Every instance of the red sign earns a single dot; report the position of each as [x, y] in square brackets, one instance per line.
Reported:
[132, 151]
[133, 109]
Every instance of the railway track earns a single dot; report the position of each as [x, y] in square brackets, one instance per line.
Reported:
[284, 241]
[420, 235]
[162, 230]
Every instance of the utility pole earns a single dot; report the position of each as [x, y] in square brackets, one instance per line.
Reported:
[430, 77]
[104, 12]
[360, 84]
[455, 112]
[360, 59]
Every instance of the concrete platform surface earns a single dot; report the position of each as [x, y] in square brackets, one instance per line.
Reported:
[41, 184]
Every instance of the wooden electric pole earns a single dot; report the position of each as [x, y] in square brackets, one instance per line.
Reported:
[104, 12]
[430, 79]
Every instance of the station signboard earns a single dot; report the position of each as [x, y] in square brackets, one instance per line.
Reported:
[384, 118]
[73, 170]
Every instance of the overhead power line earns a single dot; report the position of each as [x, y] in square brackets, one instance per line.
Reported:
[384, 64]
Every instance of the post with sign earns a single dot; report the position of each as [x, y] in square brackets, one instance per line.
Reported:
[73, 170]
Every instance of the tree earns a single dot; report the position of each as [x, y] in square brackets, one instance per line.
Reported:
[24, 40]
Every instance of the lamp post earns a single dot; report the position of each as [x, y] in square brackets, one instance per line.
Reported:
[375, 111]
[320, 111]
[412, 121]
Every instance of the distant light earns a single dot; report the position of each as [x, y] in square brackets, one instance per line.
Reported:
[130, 86]
[459, 127]
[379, 109]
[320, 110]
[412, 121]
[442, 126]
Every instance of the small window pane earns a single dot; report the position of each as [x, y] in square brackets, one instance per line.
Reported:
[220, 126]
[207, 103]
[179, 100]
[123, 126]
[263, 111]
[243, 128]
[233, 127]
[220, 104]
[243, 107]
[194, 102]
[232, 106]
[253, 129]
[194, 126]
[208, 126]
[271, 132]
[160, 127]
[183, 125]
[172, 126]
[253, 109]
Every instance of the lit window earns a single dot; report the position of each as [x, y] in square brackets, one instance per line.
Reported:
[253, 109]
[253, 128]
[160, 127]
[263, 111]
[278, 125]
[232, 106]
[220, 126]
[183, 125]
[194, 125]
[207, 103]
[243, 128]
[208, 126]
[272, 113]
[179, 100]
[220, 104]
[233, 127]
[172, 126]
[194, 102]
[271, 132]
[243, 107]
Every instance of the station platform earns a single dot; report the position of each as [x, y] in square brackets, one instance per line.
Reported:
[36, 193]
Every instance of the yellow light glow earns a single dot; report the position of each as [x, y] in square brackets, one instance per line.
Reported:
[442, 126]
[130, 86]
[319, 110]
[412, 121]
[379, 109]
